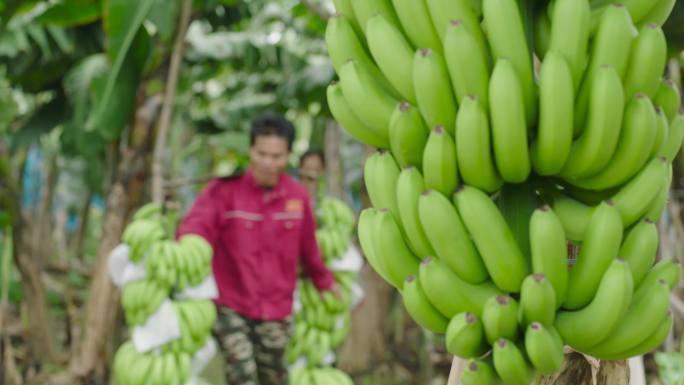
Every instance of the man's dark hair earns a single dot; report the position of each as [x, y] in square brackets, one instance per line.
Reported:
[268, 124]
[312, 152]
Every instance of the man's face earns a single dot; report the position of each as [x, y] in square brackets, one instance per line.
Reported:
[310, 171]
[268, 158]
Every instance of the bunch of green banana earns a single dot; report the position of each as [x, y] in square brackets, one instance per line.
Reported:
[488, 176]
[133, 368]
[328, 375]
[140, 235]
[142, 298]
[170, 267]
[196, 319]
[323, 321]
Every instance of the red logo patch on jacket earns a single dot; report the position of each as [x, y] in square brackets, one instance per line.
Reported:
[294, 206]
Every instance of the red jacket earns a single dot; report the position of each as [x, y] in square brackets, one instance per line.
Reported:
[258, 236]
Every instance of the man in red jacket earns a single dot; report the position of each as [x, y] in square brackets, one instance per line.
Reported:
[261, 227]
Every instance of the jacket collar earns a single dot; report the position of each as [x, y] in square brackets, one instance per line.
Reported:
[279, 190]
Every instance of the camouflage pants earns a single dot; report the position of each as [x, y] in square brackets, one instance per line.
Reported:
[254, 351]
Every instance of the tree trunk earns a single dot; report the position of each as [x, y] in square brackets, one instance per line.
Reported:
[158, 160]
[41, 343]
[103, 299]
[366, 344]
[333, 165]
[83, 226]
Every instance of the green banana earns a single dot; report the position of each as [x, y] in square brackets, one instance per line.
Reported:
[433, 90]
[659, 203]
[556, 103]
[659, 13]
[509, 132]
[392, 53]
[592, 324]
[148, 211]
[365, 95]
[420, 309]
[669, 99]
[574, 216]
[549, 251]
[408, 135]
[654, 340]
[449, 238]
[344, 45]
[467, 63]
[507, 39]
[639, 249]
[440, 167]
[500, 318]
[443, 12]
[570, 24]
[449, 293]
[636, 325]
[479, 373]
[665, 269]
[473, 146]
[415, 18]
[647, 62]
[673, 142]
[610, 47]
[638, 9]
[505, 262]
[633, 149]
[634, 198]
[601, 244]
[661, 132]
[381, 173]
[367, 239]
[510, 364]
[345, 116]
[391, 249]
[537, 301]
[344, 8]
[465, 336]
[364, 10]
[409, 187]
[594, 149]
[544, 348]
[542, 36]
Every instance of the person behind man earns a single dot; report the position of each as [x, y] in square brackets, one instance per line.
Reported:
[311, 167]
[260, 225]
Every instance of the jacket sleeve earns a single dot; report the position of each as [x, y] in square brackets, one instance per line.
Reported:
[311, 257]
[202, 218]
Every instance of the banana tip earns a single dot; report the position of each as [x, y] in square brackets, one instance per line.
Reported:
[410, 278]
[470, 318]
[535, 326]
[503, 299]
[425, 52]
[473, 366]
[502, 342]
[427, 192]
[539, 277]
[426, 260]
[545, 208]
[610, 202]
[455, 23]
[404, 106]
[439, 129]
